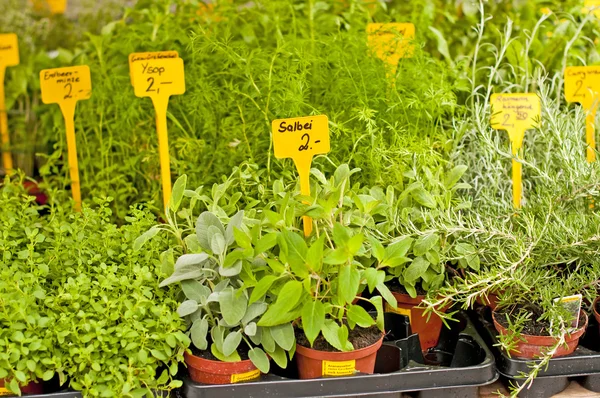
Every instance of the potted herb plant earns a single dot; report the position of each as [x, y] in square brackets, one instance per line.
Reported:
[216, 271]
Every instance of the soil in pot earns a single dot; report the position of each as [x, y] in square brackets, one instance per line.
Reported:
[323, 360]
[427, 326]
[535, 337]
[205, 368]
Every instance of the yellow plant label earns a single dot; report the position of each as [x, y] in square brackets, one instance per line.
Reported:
[338, 368]
[391, 42]
[398, 310]
[582, 85]
[248, 376]
[158, 77]
[9, 56]
[54, 6]
[9, 50]
[148, 56]
[301, 139]
[516, 113]
[4, 392]
[66, 86]
[592, 6]
[69, 84]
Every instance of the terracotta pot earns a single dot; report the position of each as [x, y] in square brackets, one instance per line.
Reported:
[428, 330]
[530, 347]
[490, 301]
[596, 314]
[314, 363]
[217, 372]
[31, 388]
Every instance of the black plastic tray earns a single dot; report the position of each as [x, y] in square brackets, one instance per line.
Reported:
[583, 364]
[457, 367]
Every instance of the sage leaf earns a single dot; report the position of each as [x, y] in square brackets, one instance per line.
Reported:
[283, 335]
[259, 359]
[231, 343]
[187, 307]
[233, 308]
[177, 193]
[206, 220]
[198, 332]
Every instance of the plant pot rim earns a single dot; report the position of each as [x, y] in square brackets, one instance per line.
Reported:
[226, 367]
[340, 355]
[545, 340]
[594, 307]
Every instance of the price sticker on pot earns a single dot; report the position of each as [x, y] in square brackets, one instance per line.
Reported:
[516, 113]
[65, 87]
[147, 56]
[391, 42]
[52, 6]
[9, 56]
[338, 368]
[301, 139]
[159, 79]
[248, 376]
[582, 85]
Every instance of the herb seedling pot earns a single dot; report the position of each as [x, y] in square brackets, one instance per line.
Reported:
[531, 347]
[490, 301]
[314, 363]
[207, 371]
[427, 326]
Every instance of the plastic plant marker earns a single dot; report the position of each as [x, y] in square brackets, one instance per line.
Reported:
[66, 86]
[9, 56]
[54, 6]
[592, 6]
[516, 113]
[582, 85]
[140, 57]
[159, 79]
[573, 305]
[301, 139]
[391, 42]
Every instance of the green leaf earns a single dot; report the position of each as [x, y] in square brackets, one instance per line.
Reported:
[425, 243]
[235, 222]
[204, 222]
[160, 355]
[442, 44]
[234, 357]
[288, 297]
[360, 316]
[314, 256]
[177, 193]
[194, 290]
[378, 304]
[242, 238]
[187, 307]
[337, 257]
[454, 176]
[145, 237]
[387, 295]
[348, 283]
[259, 359]
[416, 269]
[217, 240]
[262, 287]
[373, 277]
[313, 318]
[398, 249]
[341, 235]
[198, 332]
[296, 255]
[266, 243]
[377, 248]
[233, 307]
[188, 266]
[355, 243]
[279, 357]
[330, 331]
[283, 335]
[251, 329]
[254, 310]
[423, 197]
[231, 342]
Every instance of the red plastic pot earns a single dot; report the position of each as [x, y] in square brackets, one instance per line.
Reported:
[314, 363]
[31, 388]
[530, 347]
[427, 326]
[490, 301]
[217, 372]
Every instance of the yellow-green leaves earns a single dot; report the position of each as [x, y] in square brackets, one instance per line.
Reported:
[313, 318]
[287, 299]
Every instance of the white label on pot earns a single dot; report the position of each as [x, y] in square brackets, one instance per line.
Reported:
[252, 375]
[573, 305]
[339, 368]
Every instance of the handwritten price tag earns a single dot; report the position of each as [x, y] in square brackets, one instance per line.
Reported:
[66, 86]
[53, 6]
[9, 56]
[391, 42]
[159, 77]
[582, 85]
[516, 113]
[148, 56]
[301, 139]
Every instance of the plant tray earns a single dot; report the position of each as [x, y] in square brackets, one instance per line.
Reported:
[456, 367]
[583, 364]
